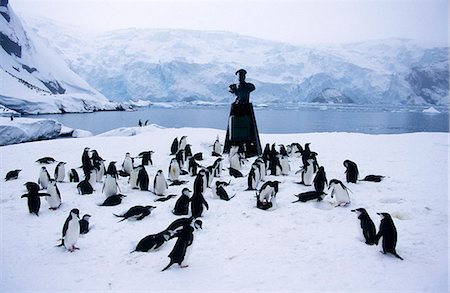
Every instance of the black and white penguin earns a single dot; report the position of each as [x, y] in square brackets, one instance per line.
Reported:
[84, 187]
[96, 160]
[266, 197]
[127, 164]
[113, 200]
[71, 230]
[274, 165]
[159, 183]
[373, 178]
[296, 150]
[235, 173]
[44, 178]
[86, 163]
[221, 193]
[183, 142]
[262, 168]
[174, 170]
[253, 178]
[179, 156]
[101, 171]
[181, 250]
[309, 195]
[217, 148]
[367, 225]
[320, 180]
[182, 205]
[54, 200]
[110, 186]
[197, 203]
[152, 242]
[307, 172]
[146, 158]
[12, 175]
[284, 163]
[351, 172]
[217, 167]
[60, 172]
[187, 152]
[198, 156]
[193, 167]
[136, 212]
[283, 151]
[93, 178]
[389, 233]
[235, 161]
[112, 170]
[84, 224]
[174, 147]
[200, 182]
[133, 179]
[340, 191]
[143, 180]
[31, 186]
[46, 160]
[33, 197]
[73, 175]
[178, 224]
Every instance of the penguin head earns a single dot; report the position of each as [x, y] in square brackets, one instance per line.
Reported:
[186, 191]
[384, 215]
[359, 211]
[86, 149]
[86, 217]
[198, 224]
[121, 195]
[32, 187]
[150, 208]
[75, 212]
[159, 172]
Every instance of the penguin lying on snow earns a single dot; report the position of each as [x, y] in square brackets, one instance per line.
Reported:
[136, 212]
[367, 225]
[309, 195]
[113, 200]
[163, 199]
[45, 160]
[266, 198]
[12, 175]
[373, 178]
[389, 233]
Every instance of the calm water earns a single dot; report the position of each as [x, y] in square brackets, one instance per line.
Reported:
[304, 120]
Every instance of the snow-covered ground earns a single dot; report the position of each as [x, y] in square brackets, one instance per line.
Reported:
[297, 247]
[27, 129]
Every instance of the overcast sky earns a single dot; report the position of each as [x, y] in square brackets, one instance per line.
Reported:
[297, 22]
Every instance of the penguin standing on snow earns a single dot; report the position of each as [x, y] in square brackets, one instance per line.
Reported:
[320, 180]
[110, 186]
[73, 176]
[351, 172]
[127, 164]
[112, 170]
[183, 142]
[71, 230]
[33, 196]
[84, 187]
[341, 192]
[12, 175]
[193, 167]
[221, 193]
[84, 224]
[174, 170]
[60, 172]
[284, 163]
[217, 148]
[146, 158]
[182, 248]
[262, 168]
[389, 233]
[253, 177]
[86, 163]
[174, 146]
[142, 178]
[217, 167]
[307, 172]
[44, 178]
[182, 205]
[133, 180]
[197, 203]
[54, 200]
[367, 225]
[159, 183]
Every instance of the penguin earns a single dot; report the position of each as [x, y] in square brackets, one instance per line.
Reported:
[198, 156]
[217, 167]
[113, 200]
[209, 175]
[45, 160]
[221, 192]
[146, 158]
[142, 178]
[112, 170]
[133, 179]
[351, 171]
[174, 147]
[373, 178]
[199, 182]
[307, 172]
[341, 192]
[127, 164]
[101, 171]
[296, 150]
[152, 242]
[180, 158]
[274, 165]
[73, 176]
[267, 194]
[217, 148]
[54, 200]
[183, 142]
[96, 159]
[84, 187]
[266, 153]
[93, 177]
[44, 178]
[262, 168]
[182, 205]
[235, 162]
[235, 173]
[84, 224]
[32, 186]
[388, 231]
[174, 170]
[178, 224]
[182, 247]
[309, 195]
[163, 199]
[71, 230]
[86, 163]
[193, 167]
[136, 212]
[253, 178]
[110, 186]
[283, 151]
[34, 200]
[60, 172]
[197, 203]
[367, 225]
[187, 152]
[12, 175]
[320, 180]
[159, 183]
[284, 163]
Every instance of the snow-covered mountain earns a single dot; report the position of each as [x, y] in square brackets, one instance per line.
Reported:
[34, 78]
[186, 65]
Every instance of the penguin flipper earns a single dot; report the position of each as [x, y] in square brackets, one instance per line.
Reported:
[168, 266]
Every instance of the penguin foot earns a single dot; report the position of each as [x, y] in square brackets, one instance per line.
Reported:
[184, 266]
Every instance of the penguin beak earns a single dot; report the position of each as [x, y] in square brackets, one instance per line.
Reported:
[353, 210]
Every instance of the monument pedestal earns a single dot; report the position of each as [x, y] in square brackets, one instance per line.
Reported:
[242, 130]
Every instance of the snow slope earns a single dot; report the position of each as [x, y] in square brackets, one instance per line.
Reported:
[26, 129]
[35, 79]
[298, 247]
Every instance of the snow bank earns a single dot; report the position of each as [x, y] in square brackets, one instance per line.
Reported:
[298, 247]
[431, 110]
[27, 129]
